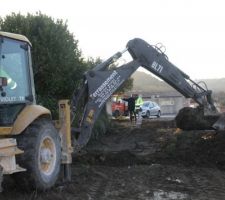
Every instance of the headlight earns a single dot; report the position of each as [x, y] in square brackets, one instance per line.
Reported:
[143, 112]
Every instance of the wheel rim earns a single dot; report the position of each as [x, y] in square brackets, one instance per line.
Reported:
[47, 156]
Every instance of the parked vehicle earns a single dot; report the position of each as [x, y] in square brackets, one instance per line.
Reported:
[150, 108]
[119, 107]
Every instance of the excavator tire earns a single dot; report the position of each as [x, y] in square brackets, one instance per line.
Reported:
[42, 156]
[194, 119]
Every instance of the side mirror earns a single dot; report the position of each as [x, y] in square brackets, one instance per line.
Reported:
[3, 81]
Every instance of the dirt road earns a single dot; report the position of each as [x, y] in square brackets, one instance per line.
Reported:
[151, 162]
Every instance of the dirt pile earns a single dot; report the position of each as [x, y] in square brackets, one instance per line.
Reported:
[157, 141]
[194, 119]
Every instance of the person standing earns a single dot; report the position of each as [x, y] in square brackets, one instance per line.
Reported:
[138, 104]
[131, 107]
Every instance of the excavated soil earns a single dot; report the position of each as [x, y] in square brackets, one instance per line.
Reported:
[153, 161]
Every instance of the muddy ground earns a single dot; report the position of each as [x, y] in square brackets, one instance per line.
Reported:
[153, 161]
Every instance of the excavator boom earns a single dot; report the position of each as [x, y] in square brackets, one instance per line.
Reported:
[101, 82]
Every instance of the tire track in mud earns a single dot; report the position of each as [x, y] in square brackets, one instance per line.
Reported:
[93, 190]
[207, 183]
[98, 186]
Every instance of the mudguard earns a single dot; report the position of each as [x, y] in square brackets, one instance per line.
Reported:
[27, 116]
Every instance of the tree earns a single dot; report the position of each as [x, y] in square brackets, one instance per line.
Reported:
[57, 62]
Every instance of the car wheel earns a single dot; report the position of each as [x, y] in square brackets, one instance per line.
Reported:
[148, 114]
[116, 113]
[159, 114]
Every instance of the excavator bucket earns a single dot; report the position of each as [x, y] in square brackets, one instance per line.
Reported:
[195, 119]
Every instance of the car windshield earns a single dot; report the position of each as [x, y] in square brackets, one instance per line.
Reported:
[145, 104]
[14, 67]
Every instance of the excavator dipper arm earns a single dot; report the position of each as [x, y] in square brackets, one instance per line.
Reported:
[101, 85]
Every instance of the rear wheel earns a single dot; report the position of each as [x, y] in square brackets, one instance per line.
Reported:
[42, 153]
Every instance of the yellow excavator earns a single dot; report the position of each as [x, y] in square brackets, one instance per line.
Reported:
[43, 146]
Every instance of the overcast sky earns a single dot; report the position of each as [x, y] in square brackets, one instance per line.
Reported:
[193, 31]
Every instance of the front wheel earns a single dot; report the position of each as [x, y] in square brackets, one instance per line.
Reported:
[148, 114]
[42, 153]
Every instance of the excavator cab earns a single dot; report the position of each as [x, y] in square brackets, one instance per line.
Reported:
[16, 85]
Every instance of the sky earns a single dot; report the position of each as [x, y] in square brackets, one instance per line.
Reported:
[193, 31]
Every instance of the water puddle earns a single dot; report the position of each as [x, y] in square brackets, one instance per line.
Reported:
[162, 195]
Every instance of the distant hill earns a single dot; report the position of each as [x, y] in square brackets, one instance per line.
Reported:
[144, 82]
